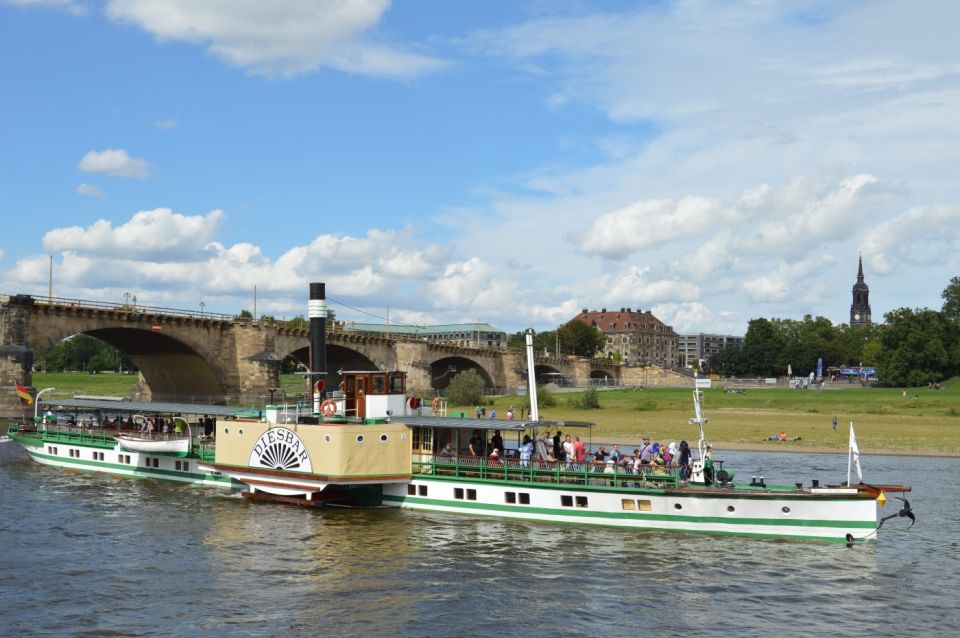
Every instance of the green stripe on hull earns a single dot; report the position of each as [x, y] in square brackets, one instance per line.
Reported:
[139, 472]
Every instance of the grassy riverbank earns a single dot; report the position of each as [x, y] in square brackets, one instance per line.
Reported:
[923, 422]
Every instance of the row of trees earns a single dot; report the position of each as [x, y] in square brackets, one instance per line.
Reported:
[83, 353]
[912, 347]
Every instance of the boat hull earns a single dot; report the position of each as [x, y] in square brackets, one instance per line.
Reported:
[120, 462]
[839, 517]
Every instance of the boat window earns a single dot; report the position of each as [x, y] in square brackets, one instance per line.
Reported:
[427, 436]
[510, 497]
[415, 438]
[582, 501]
[786, 510]
[471, 495]
[396, 383]
[423, 490]
[411, 490]
[379, 384]
[566, 500]
[628, 504]
[524, 498]
[458, 493]
[350, 387]
[383, 438]
[678, 506]
[731, 508]
[644, 506]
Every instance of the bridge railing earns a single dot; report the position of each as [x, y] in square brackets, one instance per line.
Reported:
[131, 308]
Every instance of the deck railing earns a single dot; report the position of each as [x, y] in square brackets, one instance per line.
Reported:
[544, 471]
[103, 436]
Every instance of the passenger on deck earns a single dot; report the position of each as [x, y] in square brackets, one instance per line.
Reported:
[526, 451]
[567, 450]
[646, 451]
[684, 462]
[447, 449]
[475, 446]
[558, 445]
[494, 459]
[496, 441]
[579, 452]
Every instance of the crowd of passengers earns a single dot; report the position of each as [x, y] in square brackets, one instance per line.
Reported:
[149, 425]
[572, 453]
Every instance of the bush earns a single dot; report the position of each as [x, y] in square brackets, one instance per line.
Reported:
[466, 388]
[545, 399]
[589, 400]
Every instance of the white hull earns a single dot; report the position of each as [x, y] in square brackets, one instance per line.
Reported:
[822, 518]
[120, 462]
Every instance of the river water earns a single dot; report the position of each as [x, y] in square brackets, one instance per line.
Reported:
[93, 555]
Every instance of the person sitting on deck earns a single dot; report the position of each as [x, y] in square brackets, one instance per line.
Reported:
[447, 449]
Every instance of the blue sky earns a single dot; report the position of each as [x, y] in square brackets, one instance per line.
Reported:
[496, 161]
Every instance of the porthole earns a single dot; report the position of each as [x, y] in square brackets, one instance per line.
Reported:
[327, 438]
[226, 430]
[360, 439]
[240, 432]
[383, 438]
[731, 508]
[677, 506]
[785, 509]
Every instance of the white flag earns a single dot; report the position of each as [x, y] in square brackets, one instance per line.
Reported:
[853, 457]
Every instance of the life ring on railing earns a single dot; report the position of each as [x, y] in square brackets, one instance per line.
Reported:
[328, 407]
[435, 405]
[413, 402]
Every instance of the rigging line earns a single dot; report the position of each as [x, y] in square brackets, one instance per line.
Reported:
[370, 314]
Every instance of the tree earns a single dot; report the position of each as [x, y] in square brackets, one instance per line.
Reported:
[917, 347]
[951, 300]
[466, 388]
[580, 339]
[83, 352]
[763, 350]
[589, 400]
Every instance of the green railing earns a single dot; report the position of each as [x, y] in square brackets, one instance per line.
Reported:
[574, 474]
[99, 437]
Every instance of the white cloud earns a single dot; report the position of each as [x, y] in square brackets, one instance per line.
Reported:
[167, 123]
[70, 6]
[287, 38]
[149, 235]
[90, 190]
[919, 236]
[114, 161]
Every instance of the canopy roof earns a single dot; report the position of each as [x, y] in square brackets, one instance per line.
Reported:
[113, 406]
[488, 424]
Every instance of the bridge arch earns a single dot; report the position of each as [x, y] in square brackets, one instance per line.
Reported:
[444, 369]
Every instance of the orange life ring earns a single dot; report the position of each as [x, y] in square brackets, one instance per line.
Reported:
[328, 407]
[436, 404]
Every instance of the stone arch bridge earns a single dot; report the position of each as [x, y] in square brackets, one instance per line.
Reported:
[211, 358]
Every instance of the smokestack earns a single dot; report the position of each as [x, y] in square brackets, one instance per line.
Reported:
[317, 311]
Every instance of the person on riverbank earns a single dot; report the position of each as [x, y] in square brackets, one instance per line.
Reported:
[834, 422]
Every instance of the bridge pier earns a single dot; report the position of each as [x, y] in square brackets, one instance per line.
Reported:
[16, 357]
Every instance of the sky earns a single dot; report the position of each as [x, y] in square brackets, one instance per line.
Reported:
[501, 161]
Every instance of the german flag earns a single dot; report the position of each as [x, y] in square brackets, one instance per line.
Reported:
[24, 394]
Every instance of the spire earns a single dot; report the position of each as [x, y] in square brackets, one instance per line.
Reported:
[860, 267]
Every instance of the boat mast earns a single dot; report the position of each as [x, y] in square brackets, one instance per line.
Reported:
[699, 420]
[531, 378]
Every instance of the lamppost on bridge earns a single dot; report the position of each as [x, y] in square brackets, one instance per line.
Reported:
[202, 306]
[126, 299]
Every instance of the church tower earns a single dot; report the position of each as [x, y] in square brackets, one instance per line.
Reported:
[860, 308]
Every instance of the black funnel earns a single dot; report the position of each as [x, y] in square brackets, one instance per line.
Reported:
[318, 332]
